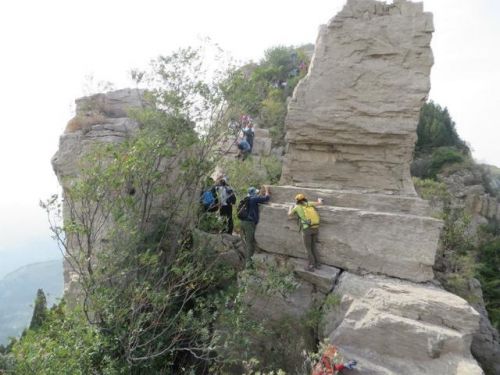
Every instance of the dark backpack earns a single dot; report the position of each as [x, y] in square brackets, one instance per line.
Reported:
[207, 199]
[231, 199]
[243, 208]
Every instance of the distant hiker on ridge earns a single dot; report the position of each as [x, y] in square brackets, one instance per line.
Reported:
[308, 224]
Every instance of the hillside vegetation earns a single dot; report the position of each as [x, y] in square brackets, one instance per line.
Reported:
[18, 291]
[467, 251]
[158, 302]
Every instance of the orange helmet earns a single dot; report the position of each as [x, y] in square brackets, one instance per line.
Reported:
[300, 197]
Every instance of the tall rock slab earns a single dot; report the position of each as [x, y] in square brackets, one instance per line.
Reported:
[351, 130]
[351, 124]
[101, 118]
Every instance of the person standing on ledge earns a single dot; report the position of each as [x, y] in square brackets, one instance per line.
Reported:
[309, 226]
[248, 213]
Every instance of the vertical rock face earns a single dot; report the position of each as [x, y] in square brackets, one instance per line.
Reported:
[101, 118]
[351, 129]
[352, 121]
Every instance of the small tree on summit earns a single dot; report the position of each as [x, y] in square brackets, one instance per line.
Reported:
[40, 310]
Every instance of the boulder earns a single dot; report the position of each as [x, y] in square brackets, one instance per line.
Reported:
[395, 327]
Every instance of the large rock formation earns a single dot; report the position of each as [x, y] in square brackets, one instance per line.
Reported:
[351, 130]
[351, 123]
[99, 119]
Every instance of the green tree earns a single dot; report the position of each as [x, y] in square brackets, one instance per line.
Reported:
[261, 90]
[39, 311]
[149, 290]
[437, 129]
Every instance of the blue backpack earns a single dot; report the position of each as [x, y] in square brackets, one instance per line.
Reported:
[207, 199]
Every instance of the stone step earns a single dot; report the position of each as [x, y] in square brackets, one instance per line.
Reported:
[353, 199]
[398, 245]
[323, 278]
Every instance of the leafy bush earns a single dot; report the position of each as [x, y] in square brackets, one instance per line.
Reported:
[437, 129]
[488, 273]
[261, 90]
[441, 157]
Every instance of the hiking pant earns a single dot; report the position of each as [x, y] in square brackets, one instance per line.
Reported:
[310, 237]
[248, 229]
[227, 213]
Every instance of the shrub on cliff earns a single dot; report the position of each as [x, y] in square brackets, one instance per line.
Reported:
[438, 144]
[151, 298]
[261, 90]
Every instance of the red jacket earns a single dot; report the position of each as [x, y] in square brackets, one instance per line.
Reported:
[325, 367]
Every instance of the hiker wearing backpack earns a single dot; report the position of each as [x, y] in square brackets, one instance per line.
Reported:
[248, 213]
[226, 198]
[249, 135]
[243, 148]
[309, 226]
[208, 197]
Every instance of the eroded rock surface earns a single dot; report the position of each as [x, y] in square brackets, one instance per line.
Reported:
[352, 121]
[113, 126]
[351, 129]
[396, 327]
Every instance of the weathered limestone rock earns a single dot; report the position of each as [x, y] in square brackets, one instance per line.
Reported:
[113, 127]
[359, 239]
[351, 129]
[486, 341]
[351, 123]
[395, 327]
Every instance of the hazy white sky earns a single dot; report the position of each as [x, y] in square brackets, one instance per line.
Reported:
[48, 47]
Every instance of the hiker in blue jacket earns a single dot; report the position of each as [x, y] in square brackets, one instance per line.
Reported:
[249, 223]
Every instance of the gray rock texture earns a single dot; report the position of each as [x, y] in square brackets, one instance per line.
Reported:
[351, 123]
[395, 327]
[109, 125]
[360, 239]
[351, 129]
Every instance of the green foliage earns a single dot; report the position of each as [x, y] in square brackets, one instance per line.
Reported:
[436, 129]
[63, 344]
[441, 157]
[488, 273]
[152, 296]
[431, 190]
[39, 311]
[438, 143]
[261, 90]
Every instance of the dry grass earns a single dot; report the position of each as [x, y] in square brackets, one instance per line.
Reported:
[84, 122]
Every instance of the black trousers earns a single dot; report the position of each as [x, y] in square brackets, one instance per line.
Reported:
[227, 212]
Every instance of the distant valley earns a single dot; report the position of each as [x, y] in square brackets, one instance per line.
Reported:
[18, 291]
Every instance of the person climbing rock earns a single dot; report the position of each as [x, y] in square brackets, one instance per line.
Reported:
[331, 363]
[249, 133]
[243, 149]
[226, 200]
[309, 226]
[248, 213]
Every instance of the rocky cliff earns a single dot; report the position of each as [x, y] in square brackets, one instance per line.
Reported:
[99, 119]
[351, 133]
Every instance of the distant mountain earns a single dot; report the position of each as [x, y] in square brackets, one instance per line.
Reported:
[27, 252]
[18, 291]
